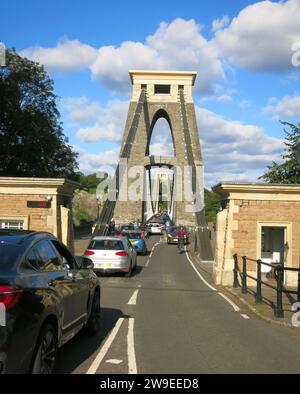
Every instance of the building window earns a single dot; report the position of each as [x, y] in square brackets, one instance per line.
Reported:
[12, 224]
[162, 89]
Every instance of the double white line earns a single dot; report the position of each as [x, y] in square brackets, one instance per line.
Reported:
[132, 369]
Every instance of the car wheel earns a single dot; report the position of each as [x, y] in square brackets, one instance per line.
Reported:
[92, 326]
[45, 354]
[129, 273]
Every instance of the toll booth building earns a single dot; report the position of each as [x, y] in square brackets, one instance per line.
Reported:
[261, 222]
[38, 204]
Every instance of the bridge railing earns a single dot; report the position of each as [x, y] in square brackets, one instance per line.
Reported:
[279, 271]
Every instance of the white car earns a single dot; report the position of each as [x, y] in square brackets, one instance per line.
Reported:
[155, 228]
[112, 254]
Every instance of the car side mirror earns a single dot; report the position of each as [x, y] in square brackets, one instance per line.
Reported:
[84, 262]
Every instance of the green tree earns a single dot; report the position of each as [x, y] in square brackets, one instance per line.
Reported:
[32, 142]
[212, 205]
[289, 170]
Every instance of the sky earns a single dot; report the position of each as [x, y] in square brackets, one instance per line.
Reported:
[246, 53]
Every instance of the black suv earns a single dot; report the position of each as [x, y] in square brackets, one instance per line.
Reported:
[46, 297]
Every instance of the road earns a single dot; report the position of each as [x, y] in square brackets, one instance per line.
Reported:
[167, 319]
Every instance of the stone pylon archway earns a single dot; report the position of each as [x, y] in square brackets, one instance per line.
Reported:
[166, 94]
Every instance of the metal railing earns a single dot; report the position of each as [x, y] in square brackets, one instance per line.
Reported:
[279, 270]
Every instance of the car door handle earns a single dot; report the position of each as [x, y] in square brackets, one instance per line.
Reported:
[71, 277]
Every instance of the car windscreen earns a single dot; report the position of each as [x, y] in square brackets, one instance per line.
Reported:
[8, 255]
[106, 245]
[127, 228]
[133, 235]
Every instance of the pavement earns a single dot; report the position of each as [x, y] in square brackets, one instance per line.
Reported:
[265, 310]
[170, 318]
[81, 244]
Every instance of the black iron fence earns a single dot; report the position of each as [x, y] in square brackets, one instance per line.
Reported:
[278, 269]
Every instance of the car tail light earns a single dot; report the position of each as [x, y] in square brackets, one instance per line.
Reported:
[89, 253]
[123, 254]
[10, 296]
[141, 235]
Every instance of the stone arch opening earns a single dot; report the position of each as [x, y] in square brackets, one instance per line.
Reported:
[161, 137]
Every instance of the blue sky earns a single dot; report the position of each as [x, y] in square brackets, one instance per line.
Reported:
[242, 51]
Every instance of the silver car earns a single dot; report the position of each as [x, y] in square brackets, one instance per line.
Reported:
[112, 254]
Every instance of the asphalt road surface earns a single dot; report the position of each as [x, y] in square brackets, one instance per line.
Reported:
[168, 319]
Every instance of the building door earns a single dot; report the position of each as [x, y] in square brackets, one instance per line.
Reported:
[274, 245]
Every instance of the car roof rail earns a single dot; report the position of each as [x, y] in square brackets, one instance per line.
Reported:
[33, 233]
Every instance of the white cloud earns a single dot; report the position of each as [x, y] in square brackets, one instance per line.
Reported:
[244, 104]
[175, 46]
[80, 110]
[68, 55]
[112, 64]
[288, 107]
[219, 24]
[178, 45]
[261, 37]
[161, 140]
[233, 150]
[96, 123]
[103, 161]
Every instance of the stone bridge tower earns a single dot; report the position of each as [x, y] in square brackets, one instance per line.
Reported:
[163, 94]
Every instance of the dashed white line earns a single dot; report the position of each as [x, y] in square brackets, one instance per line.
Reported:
[115, 362]
[198, 273]
[246, 317]
[132, 369]
[133, 299]
[99, 358]
[234, 306]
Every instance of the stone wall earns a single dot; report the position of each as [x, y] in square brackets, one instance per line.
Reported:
[39, 219]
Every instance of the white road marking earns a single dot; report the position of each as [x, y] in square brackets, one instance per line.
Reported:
[115, 362]
[151, 254]
[99, 358]
[132, 369]
[246, 317]
[133, 299]
[234, 306]
[198, 273]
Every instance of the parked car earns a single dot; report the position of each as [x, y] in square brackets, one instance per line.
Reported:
[155, 228]
[49, 296]
[112, 254]
[137, 240]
